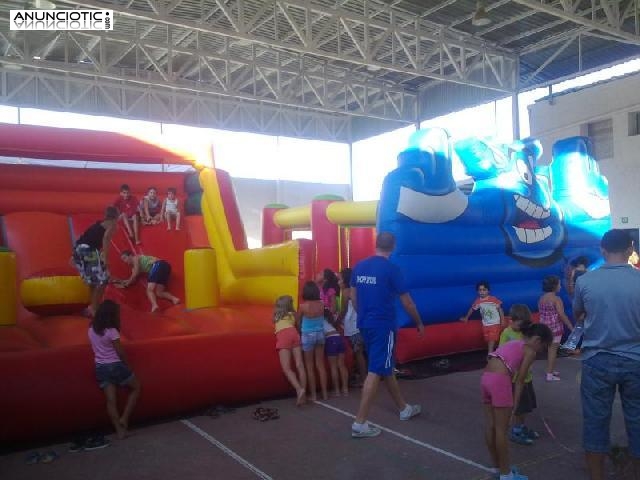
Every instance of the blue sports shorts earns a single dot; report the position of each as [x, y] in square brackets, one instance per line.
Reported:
[380, 345]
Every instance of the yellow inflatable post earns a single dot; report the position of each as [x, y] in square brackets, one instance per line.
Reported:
[8, 294]
[257, 276]
[201, 278]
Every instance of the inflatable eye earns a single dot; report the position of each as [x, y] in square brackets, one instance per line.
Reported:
[524, 171]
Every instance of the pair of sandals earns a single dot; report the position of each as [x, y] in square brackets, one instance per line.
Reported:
[264, 414]
[37, 457]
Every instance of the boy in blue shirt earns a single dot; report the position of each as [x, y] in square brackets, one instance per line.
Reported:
[377, 283]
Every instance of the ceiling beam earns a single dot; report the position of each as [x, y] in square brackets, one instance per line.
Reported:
[613, 26]
[360, 26]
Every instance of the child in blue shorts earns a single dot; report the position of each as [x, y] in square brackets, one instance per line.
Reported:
[111, 365]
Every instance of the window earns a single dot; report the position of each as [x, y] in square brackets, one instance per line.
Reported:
[634, 123]
[601, 134]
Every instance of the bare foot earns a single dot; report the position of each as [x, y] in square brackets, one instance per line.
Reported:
[154, 309]
[138, 242]
[121, 432]
[325, 396]
[177, 228]
[168, 229]
[313, 398]
[301, 397]
[175, 301]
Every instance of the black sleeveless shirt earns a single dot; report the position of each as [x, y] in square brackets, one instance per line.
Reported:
[92, 236]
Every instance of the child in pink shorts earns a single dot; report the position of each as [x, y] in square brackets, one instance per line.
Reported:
[288, 343]
[500, 401]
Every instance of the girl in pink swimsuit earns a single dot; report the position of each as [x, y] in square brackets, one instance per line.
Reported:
[552, 315]
[499, 400]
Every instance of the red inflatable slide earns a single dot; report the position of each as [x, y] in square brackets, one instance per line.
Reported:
[186, 358]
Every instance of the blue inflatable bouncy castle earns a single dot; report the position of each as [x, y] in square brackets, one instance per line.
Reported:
[519, 223]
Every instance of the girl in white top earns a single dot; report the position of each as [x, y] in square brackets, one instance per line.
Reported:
[170, 208]
[349, 318]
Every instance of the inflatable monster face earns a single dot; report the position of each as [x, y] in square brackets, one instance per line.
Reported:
[517, 196]
[520, 222]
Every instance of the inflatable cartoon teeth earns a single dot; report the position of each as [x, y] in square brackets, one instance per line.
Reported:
[520, 222]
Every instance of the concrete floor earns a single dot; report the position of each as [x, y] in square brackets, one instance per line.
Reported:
[314, 442]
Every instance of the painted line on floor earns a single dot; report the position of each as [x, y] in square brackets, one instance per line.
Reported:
[411, 439]
[227, 450]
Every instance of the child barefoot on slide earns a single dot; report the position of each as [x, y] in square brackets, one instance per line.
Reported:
[158, 272]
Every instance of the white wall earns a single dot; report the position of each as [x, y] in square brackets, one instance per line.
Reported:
[253, 195]
[566, 115]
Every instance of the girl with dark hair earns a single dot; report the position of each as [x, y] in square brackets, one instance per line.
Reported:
[500, 401]
[329, 289]
[552, 315]
[349, 319]
[111, 365]
[311, 317]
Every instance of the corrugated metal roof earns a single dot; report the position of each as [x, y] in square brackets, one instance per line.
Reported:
[520, 28]
[550, 42]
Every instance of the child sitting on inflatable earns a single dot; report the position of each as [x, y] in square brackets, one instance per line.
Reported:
[151, 208]
[127, 205]
[170, 208]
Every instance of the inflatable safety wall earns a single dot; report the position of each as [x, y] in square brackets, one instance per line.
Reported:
[520, 222]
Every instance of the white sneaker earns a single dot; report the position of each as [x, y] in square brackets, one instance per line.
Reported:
[410, 411]
[368, 431]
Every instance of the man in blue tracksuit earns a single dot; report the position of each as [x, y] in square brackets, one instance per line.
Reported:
[377, 283]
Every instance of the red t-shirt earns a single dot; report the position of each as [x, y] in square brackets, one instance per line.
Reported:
[129, 206]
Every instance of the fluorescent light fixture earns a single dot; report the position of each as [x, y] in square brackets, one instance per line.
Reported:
[480, 17]
[11, 66]
[44, 4]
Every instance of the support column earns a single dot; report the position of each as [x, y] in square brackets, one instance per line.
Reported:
[515, 103]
